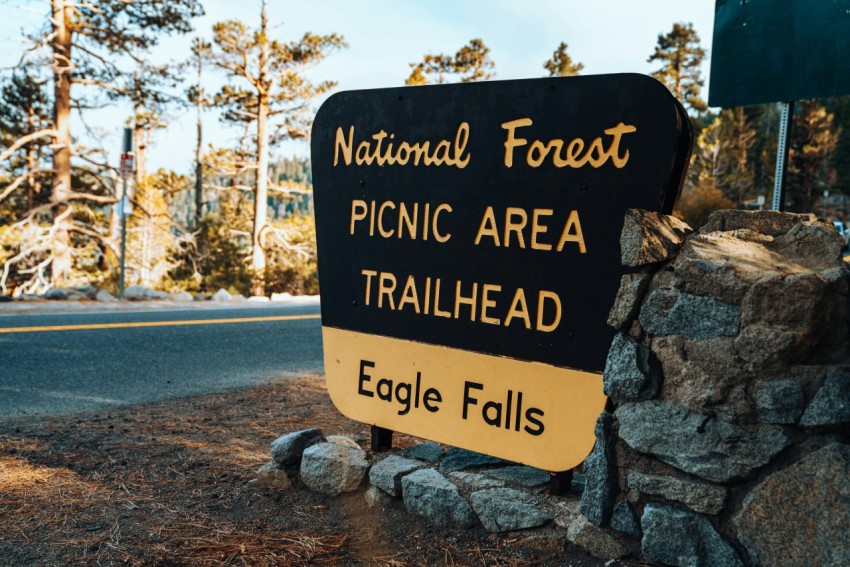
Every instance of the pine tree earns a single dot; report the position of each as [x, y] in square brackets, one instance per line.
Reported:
[86, 41]
[723, 155]
[680, 55]
[814, 138]
[273, 99]
[24, 113]
[561, 64]
[471, 63]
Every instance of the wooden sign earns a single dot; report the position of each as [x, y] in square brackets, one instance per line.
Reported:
[468, 242]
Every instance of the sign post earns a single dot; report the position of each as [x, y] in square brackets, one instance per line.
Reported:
[124, 208]
[468, 240]
[766, 51]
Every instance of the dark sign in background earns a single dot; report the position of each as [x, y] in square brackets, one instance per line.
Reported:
[563, 108]
[779, 50]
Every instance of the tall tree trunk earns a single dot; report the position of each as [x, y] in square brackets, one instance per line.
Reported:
[62, 72]
[32, 163]
[199, 168]
[261, 190]
[139, 141]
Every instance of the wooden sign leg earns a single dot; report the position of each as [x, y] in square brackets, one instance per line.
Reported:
[559, 483]
[382, 439]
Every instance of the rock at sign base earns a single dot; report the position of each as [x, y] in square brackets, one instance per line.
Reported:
[287, 449]
[427, 493]
[331, 468]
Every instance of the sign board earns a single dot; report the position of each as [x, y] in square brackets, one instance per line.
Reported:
[779, 50]
[468, 240]
[126, 167]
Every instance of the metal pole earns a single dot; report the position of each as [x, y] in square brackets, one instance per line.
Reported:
[127, 148]
[785, 119]
[123, 214]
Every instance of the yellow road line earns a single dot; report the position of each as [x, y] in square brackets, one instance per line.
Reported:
[95, 326]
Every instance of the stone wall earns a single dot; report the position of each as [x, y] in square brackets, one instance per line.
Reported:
[727, 436]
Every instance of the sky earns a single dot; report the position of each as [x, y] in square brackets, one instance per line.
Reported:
[385, 36]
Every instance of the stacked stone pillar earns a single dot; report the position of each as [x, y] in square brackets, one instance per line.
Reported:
[727, 440]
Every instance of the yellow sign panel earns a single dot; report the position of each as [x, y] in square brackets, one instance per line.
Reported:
[465, 399]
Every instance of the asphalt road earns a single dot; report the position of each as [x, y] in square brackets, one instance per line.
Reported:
[125, 362]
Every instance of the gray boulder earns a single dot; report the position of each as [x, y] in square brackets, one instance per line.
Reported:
[506, 509]
[287, 449]
[529, 477]
[273, 476]
[461, 459]
[387, 473]
[137, 293]
[671, 312]
[680, 538]
[105, 296]
[183, 296]
[831, 405]
[599, 542]
[474, 481]
[427, 493]
[600, 468]
[56, 293]
[698, 496]
[624, 519]
[801, 514]
[705, 446]
[428, 451]
[332, 468]
[627, 302]
[631, 371]
[650, 237]
[221, 295]
[779, 401]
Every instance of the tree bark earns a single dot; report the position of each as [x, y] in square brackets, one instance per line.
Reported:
[62, 71]
[199, 168]
[258, 254]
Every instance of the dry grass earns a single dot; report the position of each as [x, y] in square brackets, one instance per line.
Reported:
[171, 484]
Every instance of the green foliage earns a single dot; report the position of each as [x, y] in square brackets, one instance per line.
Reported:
[292, 265]
[561, 64]
[680, 55]
[211, 259]
[814, 138]
[697, 203]
[471, 63]
[723, 155]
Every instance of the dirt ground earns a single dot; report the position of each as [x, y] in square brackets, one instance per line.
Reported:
[170, 484]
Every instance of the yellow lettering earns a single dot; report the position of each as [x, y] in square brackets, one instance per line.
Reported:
[519, 308]
[437, 311]
[437, 236]
[341, 144]
[512, 141]
[356, 205]
[409, 295]
[614, 150]
[488, 227]
[515, 227]
[386, 286]
[537, 228]
[541, 300]
[386, 205]
[487, 303]
[461, 138]
[404, 217]
[461, 300]
[572, 233]
[369, 274]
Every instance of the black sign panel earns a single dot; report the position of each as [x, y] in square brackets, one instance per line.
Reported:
[779, 50]
[486, 217]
